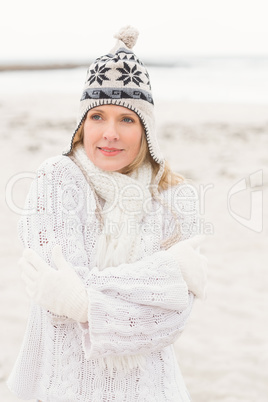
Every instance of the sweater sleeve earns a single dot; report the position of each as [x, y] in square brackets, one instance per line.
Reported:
[136, 308]
[144, 305]
[51, 213]
[133, 307]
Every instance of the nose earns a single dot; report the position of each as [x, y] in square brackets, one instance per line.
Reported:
[110, 132]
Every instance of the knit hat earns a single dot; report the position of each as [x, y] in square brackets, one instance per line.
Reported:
[120, 78]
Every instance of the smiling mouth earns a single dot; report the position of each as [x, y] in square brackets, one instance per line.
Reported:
[110, 151]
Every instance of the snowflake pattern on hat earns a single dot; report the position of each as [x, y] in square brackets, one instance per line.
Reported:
[123, 61]
[98, 74]
[130, 74]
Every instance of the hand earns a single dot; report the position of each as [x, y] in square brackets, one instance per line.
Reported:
[193, 265]
[59, 291]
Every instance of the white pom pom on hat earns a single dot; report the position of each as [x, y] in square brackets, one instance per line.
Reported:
[128, 35]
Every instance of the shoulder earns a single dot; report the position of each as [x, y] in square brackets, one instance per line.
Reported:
[181, 204]
[59, 164]
[59, 174]
[61, 180]
[183, 196]
[59, 170]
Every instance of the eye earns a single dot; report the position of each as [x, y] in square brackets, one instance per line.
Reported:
[128, 120]
[95, 117]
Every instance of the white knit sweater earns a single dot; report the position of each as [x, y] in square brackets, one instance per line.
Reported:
[137, 308]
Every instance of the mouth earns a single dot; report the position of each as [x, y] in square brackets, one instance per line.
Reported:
[110, 151]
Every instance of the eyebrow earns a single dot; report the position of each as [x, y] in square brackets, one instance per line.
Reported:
[93, 110]
[126, 113]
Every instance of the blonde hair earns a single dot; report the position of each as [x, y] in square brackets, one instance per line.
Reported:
[168, 178]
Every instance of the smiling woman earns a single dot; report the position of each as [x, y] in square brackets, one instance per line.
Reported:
[112, 282]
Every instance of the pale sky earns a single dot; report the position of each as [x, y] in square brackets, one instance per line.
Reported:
[80, 29]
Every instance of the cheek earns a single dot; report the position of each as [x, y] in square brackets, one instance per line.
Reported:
[88, 142]
[89, 135]
[136, 143]
[136, 149]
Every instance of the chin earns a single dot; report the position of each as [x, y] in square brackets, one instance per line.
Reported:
[111, 168]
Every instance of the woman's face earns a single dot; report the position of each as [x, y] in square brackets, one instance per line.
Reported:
[112, 137]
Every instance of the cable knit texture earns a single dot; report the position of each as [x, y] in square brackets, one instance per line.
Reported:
[60, 291]
[135, 308]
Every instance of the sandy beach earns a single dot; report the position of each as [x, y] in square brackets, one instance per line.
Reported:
[223, 352]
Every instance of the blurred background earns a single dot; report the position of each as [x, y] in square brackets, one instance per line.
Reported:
[208, 64]
[214, 51]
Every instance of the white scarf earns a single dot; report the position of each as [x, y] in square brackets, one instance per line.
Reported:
[127, 199]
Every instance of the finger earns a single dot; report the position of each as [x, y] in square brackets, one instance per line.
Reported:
[28, 270]
[34, 259]
[27, 281]
[204, 262]
[196, 241]
[204, 258]
[25, 259]
[30, 290]
[22, 262]
[58, 257]
[29, 285]
[193, 242]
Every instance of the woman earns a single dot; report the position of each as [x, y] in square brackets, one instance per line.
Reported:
[111, 281]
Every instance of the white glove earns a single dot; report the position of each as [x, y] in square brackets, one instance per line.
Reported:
[59, 291]
[193, 265]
